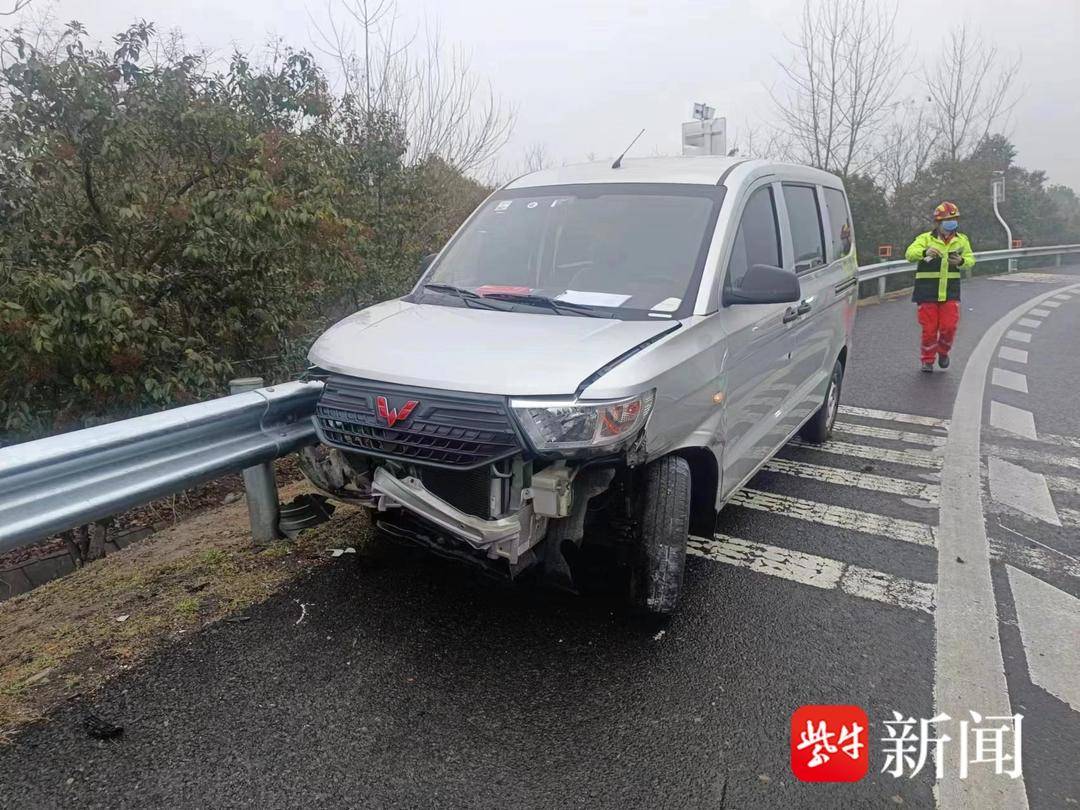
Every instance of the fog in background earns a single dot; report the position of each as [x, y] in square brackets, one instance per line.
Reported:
[585, 75]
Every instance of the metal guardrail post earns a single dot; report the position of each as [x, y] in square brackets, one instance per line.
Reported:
[881, 287]
[260, 484]
[1057, 260]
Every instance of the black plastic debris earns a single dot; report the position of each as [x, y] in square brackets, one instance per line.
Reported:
[101, 729]
[304, 512]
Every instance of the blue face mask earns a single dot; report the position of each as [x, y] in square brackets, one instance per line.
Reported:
[950, 225]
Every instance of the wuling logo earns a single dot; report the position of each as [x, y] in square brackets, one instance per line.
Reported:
[392, 416]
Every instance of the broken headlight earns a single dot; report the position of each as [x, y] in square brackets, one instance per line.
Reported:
[572, 425]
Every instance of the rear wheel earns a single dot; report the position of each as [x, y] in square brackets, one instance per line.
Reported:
[820, 426]
[664, 521]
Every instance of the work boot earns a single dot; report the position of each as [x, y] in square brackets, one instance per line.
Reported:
[928, 367]
[943, 360]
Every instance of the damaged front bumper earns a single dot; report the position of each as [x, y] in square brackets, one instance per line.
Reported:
[509, 537]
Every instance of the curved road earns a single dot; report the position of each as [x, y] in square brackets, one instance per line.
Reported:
[414, 683]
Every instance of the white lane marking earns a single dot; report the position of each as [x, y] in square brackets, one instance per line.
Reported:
[1041, 558]
[893, 416]
[818, 572]
[840, 517]
[1063, 297]
[1023, 490]
[1052, 304]
[1048, 617]
[850, 478]
[1033, 456]
[1040, 313]
[910, 458]
[1030, 323]
[1063, 441]
[890, 434]
[1010, 379]
[1018, 336]
[968, 667]
[1015, 355]
[1014, 420]
[1059, 483]
[1041, 278]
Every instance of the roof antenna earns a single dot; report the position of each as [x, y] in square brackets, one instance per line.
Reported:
[618, 161]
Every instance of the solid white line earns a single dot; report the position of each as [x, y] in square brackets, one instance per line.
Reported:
[1010, 379]
[1040, 313]
[890, 434]
[1019, 337]
[968, 668]
[850, 478]
[840, 517]
[818, 572]
[1023, 490]
[1046, 616]
[893, 416]
[1015, 355]
[1052, 304]
[909, 458]
[1030, 323]
[1014, 420]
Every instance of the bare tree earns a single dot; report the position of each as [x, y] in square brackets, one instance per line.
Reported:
[17, 6]
[761, 141]
[907, 145]
[972, 90]
[445, 110]
[536, 157]
[842, 82]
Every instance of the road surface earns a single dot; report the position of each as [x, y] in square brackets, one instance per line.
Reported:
[410, 682]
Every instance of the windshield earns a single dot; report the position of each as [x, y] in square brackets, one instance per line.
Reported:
[632, 250]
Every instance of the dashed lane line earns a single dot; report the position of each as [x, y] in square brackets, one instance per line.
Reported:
[904, 436]
[851, 478]
[1021, 489]
[1051, 304]
[1013, 380]
[839, 517]
[1013, 355]
[909, 458]
[1030, 323]
[1018, 336]
[1037, 557]
[893, 416]
[1033, 456]
[1063, 297]
[1012, 420]
[817, 572]
[1040, 313]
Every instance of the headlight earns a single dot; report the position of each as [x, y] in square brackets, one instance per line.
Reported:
[567, 425]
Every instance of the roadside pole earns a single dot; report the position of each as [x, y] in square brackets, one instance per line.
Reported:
[997, 189]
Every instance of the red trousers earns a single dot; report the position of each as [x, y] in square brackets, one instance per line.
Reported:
[939, 321]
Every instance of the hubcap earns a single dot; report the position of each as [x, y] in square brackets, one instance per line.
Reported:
[834, 399]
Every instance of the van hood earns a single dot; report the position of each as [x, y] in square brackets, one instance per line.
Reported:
[477, 350]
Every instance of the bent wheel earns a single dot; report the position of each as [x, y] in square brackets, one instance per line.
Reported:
[664, 521]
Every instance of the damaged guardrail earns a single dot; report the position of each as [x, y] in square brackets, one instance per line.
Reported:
[883, 270]
[63, 481]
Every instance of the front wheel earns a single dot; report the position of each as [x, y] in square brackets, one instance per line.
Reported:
[820, 426]
[664, 522]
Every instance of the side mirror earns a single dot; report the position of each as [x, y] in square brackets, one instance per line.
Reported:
[425, 262]
[765, 284]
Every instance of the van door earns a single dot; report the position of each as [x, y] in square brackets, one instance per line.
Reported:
[756, 358]
[813, 336]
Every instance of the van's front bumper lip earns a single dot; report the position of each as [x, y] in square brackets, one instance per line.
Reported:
[413, 495]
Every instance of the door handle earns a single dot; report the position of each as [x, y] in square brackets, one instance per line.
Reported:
[804, 307]
[790, 314]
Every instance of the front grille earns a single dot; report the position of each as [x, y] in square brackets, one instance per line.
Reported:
[460, 431]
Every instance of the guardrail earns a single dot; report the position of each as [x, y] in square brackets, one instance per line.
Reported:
[63, 481]
[57, 483]
[882, 270]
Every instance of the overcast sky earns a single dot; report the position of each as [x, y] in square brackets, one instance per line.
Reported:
[586, 75]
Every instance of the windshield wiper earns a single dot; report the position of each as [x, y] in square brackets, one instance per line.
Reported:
[468, 297]
[554, 304]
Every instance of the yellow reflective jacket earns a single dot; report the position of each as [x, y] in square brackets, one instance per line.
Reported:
[935, 279]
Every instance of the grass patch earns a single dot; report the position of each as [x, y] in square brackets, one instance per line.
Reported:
[69, 636]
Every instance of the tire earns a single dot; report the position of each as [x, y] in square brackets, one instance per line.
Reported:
[820, 426]
[656, 577]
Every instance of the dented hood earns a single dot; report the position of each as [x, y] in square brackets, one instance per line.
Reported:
[477, 350]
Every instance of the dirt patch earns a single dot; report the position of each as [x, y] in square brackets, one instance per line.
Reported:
[68, 637]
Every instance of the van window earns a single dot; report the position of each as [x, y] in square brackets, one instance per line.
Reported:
[806, 238]
[757, 240]
[839, 222]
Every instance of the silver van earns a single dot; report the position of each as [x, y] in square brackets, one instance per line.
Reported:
[601, 354]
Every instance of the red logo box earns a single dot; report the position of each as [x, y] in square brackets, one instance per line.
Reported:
[829, 744]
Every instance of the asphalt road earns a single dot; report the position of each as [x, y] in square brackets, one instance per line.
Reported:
[410, 682]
